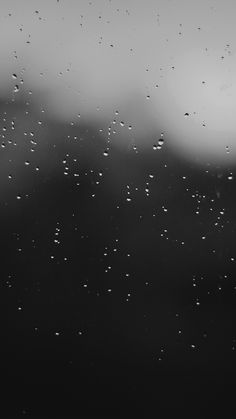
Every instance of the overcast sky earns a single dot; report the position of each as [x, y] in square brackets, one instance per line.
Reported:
[172, 61]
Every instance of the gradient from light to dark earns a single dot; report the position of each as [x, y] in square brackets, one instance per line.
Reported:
[117, 225]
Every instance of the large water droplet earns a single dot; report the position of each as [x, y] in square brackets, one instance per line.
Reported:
[160, 142]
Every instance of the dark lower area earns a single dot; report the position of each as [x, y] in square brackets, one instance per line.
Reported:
[53, 390]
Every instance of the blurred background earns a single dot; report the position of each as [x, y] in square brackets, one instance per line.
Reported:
[117, 180]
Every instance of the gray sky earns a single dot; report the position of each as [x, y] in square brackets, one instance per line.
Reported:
[93, 57]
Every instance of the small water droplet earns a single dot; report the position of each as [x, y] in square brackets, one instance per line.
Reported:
[16, 88]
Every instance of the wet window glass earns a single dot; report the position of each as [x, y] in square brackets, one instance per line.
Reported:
[117, 183]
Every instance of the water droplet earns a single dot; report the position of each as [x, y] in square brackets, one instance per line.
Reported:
[16, 88]
[186, 114]
[14, 76]
[105, 153]
[160, 142]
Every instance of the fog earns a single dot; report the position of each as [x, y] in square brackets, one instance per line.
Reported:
[164, 66]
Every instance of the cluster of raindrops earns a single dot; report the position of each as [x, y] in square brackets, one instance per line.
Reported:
[160, 142]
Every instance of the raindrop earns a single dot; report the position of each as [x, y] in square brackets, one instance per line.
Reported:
[16, 88]
[14, 76]
[160, 142]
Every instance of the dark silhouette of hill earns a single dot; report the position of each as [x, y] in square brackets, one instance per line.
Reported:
[88, 329]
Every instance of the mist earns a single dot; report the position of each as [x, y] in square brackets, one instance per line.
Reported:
[154, 67]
